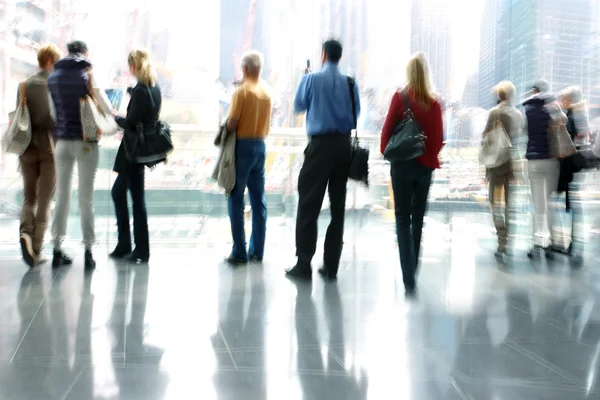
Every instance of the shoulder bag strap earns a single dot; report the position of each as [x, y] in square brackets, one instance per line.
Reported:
[22, 94]
[406, 101]
[351, 85]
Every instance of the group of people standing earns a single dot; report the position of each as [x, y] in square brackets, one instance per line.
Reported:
[53, 96]
[331, 102]
[548, 173]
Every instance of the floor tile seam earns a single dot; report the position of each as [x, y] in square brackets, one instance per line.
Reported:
[72, 385]
[33, 318]
[463, 395]
[308, 326]
[442, 362]
[545, 363]
[224, 339]
[257, 271]
[523, 383]
[252, 349]
[529, 340]
[541, 318]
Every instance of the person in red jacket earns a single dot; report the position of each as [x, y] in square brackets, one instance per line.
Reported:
[411, 179]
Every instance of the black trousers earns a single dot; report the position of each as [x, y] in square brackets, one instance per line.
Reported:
[326, 164]
[132, 179]
[411, 182]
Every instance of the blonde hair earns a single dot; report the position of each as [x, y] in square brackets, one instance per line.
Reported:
[140, 61]
[505, 90]
[48, 53]
[418, 79]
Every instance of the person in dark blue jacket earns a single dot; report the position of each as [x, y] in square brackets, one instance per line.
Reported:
[68, 84]
[543, 169]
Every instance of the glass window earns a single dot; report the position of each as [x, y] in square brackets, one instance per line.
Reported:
[196, 50]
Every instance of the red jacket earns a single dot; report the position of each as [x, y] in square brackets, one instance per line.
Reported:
[430, 120]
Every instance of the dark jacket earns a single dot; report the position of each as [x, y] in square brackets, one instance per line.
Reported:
[538, 122]
[577, 124]
[68, 84]
[141, 110]
[39, 104]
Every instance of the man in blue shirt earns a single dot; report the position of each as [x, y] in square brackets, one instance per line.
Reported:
[325, 96]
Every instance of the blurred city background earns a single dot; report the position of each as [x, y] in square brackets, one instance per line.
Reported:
[197, 48]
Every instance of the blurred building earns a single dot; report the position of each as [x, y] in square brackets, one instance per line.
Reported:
[431, 33]
[470, 93]
[493, 50]
[554, 40]
[346, 20]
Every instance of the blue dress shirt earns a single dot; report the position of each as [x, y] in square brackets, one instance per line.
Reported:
[325, 97]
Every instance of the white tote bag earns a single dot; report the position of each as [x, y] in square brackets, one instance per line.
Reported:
[495, 146]
[17, 137]
[94, 122]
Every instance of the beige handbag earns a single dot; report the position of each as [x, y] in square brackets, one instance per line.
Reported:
[561, 145]
[17, 137]
[495, 146]
[94, 122]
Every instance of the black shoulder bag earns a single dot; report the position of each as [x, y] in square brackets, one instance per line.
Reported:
[359, 166]
[154, 142]
[408, 140]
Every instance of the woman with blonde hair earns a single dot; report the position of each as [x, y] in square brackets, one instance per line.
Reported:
[142, 113]
[411, 179]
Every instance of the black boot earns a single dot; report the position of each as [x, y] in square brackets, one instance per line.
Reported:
[121, 251]
[60, 259]
[90, 263]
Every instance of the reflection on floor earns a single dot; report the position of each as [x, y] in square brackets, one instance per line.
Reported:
[189, 327]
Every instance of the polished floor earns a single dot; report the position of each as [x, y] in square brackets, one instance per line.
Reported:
[187, 326]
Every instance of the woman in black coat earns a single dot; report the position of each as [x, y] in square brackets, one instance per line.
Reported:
[578, 127]
[142, 112]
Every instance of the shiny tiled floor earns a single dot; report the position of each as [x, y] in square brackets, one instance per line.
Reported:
[189, 327]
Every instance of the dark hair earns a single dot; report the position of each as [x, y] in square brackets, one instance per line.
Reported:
[333, 49]
[77, 47]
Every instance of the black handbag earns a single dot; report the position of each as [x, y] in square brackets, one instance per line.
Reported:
[359, 166]
[408, 140]
[150, 145]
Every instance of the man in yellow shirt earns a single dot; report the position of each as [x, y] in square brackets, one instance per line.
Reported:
[249, 116]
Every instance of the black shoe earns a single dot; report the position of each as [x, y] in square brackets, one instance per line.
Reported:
[120, 252]
[300, 272]
[90, 263]
[535, 252]
[27, 250]
[136, 258]
[327, 274]
[254, 258]
[234, 261]
[60, 259]
[410, 292]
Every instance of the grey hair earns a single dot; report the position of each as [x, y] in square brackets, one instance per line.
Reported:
[253, 60]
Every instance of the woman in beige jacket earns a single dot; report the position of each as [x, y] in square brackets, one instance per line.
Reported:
[37, 162]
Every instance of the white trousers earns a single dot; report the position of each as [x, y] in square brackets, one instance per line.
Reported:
[543, 179]
[86, 155]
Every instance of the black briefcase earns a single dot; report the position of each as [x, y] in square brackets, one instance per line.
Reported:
[359, 166]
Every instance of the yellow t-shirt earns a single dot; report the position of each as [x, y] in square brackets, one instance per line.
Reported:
[251, 107]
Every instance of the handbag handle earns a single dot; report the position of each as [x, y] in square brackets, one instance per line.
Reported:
[91, 91]
[22, 94]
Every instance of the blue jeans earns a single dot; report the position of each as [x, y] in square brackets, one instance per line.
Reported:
[410, 181]
[250, 156]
